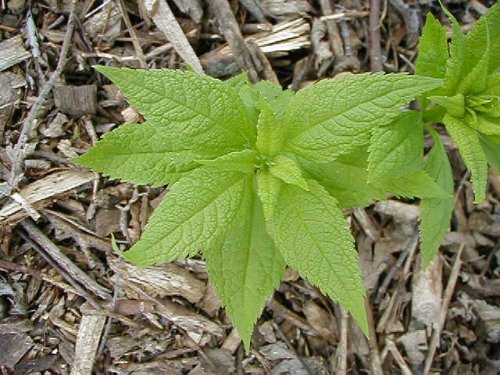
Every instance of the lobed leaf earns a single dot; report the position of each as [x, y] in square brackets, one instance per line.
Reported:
[471, 151]
[396, 149]
[414, 185]
[246, 268]
[432, 49]
[346, 179]
[435, 213]
[288, 171]
[269, 131]
[333, 117]
[141, 154]
[194, 214]
[268, 189]
[200, 112]
[314, 238]
[492, 151]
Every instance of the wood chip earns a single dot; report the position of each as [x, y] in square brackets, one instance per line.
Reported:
[165, 20]
[14, 347]
[161, 281]
[89, 335]
[39, 192]
[106, 23]
[76, 100]
[12, 52]
[192, 8]
[427, 289]
[400, 211]
[490, 320]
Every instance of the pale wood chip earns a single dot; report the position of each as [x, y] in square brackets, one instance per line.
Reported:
[427, 289]
[161, 281]
[39, 192]
[76, 100]
[12, 52]
[89, 335]
[165, 20]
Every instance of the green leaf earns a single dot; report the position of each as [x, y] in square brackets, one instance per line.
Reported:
[333, 117]
[454, 105]
[268, 188]
[435, 213]
[492, 151]
[396, 149]
[346, 179]
[313, 236]
[433, 49]
[141, 154]
[287, 171]
[277, 98]
[483, 123]
[269, 131]
[199, 111]
[485, 31]
[493, 85]
[273, 95]
[238, 81]
[238, 161]
[475, 82]
[471, 151]
[455, 67]
[414, 185]
[246, 269]
[195, 213]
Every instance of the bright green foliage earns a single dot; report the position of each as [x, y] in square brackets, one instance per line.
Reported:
[467, 140]
[333, 117]
[396, 149]
[435, 213]
[268, 189]
[433, 50]
[492, 151]
[346, 179]
[470, 99]
[143, 154]
[258, 176]
[318, 225]
[183, 105]
[246, 268]
[198, 210]
[269, 131]
[288, 171]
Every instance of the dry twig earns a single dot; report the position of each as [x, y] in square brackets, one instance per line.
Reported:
[448, 293]
[375, 53]
[19, 152]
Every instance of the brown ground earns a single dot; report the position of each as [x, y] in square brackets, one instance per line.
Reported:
[68, 304]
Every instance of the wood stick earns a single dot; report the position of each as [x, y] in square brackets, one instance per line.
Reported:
[448, 293]
[374, 22]
[230, 29]
[29, 124]
[133, 35]
[375, 363]
[62, 260]
[164, 19]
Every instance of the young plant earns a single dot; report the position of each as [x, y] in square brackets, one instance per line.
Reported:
[258, 176]
[468, 104]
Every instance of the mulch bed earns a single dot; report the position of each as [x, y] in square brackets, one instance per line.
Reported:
[69, 304]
